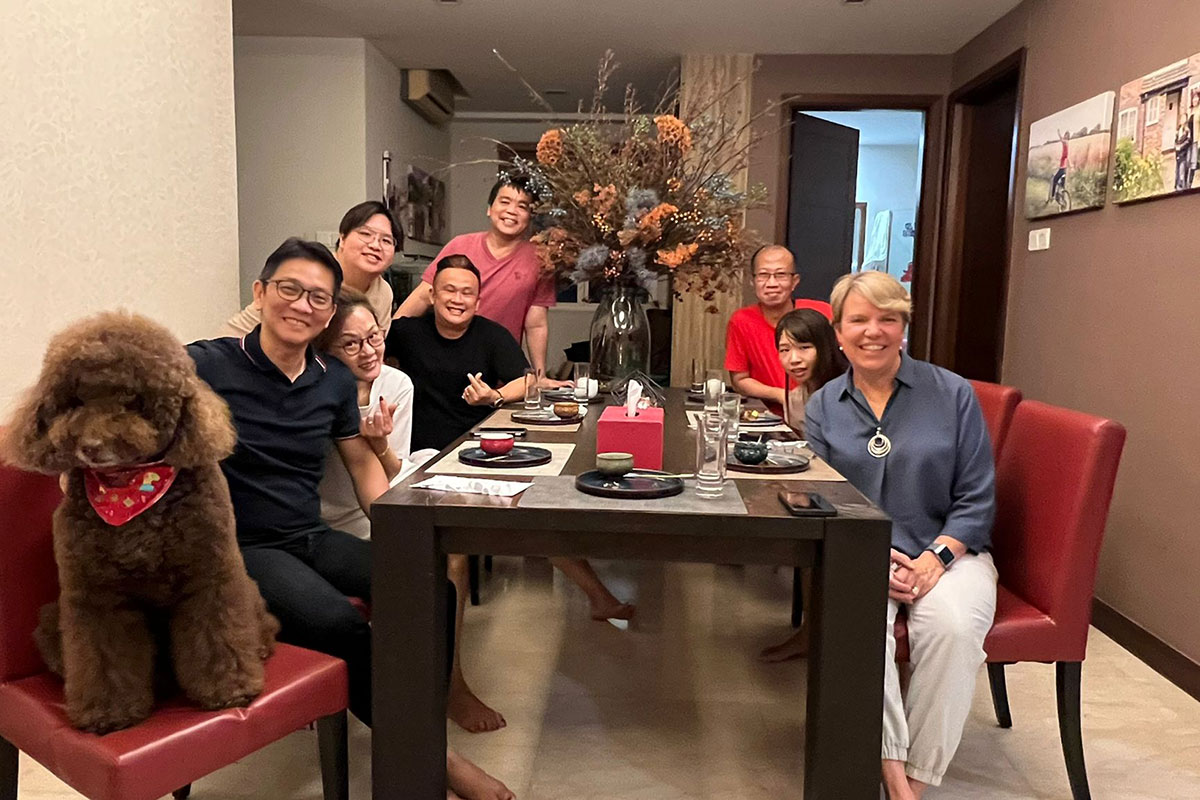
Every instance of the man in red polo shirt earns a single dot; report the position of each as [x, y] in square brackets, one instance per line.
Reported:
[750, 355]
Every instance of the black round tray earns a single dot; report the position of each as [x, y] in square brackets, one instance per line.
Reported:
[520, 456]
[766, 420]
[784, 463]
[546, 417]
[639, 485]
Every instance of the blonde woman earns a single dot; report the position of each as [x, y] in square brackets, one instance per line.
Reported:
[911, 437]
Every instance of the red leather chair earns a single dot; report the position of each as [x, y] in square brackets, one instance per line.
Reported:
[1054, 482]
[998, 404]
[179, 743]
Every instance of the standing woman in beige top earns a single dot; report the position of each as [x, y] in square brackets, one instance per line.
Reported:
[368, 238]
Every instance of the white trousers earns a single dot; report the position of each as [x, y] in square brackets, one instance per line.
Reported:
[946, 630]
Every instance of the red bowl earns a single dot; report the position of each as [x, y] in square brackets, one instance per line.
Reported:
[496, 444]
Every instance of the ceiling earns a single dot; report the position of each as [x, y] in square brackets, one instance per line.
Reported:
[556, 44]
[879, 126]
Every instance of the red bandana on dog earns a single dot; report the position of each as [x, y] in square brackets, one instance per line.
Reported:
[119, 495]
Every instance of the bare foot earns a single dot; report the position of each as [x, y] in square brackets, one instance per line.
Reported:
[468, 782]
[470, 713]
[795, 647]
[613, 610]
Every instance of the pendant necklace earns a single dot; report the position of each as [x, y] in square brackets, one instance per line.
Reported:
[879, 445]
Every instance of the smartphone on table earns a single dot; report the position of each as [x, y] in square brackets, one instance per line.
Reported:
[807, 504]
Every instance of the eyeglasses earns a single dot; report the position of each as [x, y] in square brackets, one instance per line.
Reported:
[766, 277]
[290, 290]
[366, 236]
[351, 346]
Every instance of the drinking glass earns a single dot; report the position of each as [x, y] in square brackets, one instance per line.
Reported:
[533, 389]
[710, 455]
[714, 386]
[731, 410]
[582, 381]
[697, 376]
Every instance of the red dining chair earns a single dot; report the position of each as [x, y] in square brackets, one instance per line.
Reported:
[998, 403]
[178, 743]
[1054, 483]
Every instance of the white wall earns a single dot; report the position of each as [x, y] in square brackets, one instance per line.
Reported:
[888, 178]
[392, 125]
[301, 129]
[117, 170]
[472, 140]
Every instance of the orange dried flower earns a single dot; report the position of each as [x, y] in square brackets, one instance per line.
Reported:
[606, 196]
[550, 147]
[672, 132]
[680, 255]
[582, 197]
[650, 225]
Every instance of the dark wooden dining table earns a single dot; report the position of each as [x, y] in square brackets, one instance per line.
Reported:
[413, 529]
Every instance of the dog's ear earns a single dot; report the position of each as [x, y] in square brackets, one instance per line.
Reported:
[25, 441]
[205, 433]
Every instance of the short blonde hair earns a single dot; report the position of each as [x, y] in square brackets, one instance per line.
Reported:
[879, 288]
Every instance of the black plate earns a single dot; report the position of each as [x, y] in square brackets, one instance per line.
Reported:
[765, 419]
[545, 417]
[520, 456]
[639, 485]
[776, 464]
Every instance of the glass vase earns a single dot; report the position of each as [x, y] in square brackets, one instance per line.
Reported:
[620, 334]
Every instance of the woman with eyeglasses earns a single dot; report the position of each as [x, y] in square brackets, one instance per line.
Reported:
[385, 395]
[368, 238]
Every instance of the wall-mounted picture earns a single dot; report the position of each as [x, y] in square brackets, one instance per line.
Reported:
[1068, 158]
[423, 212]
[1158, 118]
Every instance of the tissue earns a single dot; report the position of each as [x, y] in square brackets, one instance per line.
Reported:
[632, 398]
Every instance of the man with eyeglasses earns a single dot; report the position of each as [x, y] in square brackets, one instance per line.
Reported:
[368, 238]
[514, 291]
[750, 353]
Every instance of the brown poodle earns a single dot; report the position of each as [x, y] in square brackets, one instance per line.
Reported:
[119, 409]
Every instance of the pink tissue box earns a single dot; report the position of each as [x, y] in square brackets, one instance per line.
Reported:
[641, 435]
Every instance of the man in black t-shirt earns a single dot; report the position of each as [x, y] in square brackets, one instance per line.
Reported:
[455, 358]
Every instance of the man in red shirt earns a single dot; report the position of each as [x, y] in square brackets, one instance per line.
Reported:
[750, 354]
[513, 290]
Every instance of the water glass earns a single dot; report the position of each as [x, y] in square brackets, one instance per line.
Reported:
[714, 387]
[582, 387]
[697, 376]
[533, 389]
[731, 411]
[710, 455]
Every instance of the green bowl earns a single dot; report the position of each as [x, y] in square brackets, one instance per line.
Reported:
[750, 453]
[614, 465]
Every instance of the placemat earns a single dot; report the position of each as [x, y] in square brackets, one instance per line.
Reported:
[817, 470]
[693, 418]
[502, 418]
[560, 492]
[450, 465]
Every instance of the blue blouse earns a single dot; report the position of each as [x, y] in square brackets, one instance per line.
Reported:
[939, 477]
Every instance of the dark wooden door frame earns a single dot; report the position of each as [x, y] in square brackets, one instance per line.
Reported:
[925, 246]
[944, 300]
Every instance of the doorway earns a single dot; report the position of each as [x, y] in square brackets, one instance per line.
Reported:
[970, 306]
[853, 194]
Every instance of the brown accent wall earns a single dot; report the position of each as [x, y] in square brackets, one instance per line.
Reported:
[1108, 319]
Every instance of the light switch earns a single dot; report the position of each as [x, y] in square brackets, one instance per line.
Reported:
[1039, 239]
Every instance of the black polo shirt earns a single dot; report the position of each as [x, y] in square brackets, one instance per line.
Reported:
[284, 431]
[438, 367]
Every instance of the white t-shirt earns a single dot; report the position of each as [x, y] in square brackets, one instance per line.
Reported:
[339, 504]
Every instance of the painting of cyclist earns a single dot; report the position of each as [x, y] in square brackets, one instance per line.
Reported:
[1061, 175]
[1184, 137]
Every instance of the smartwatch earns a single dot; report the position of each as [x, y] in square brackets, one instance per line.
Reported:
[943, 552]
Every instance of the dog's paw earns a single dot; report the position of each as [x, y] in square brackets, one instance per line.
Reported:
[102, 721]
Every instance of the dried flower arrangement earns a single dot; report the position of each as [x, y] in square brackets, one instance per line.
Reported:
[635, 195]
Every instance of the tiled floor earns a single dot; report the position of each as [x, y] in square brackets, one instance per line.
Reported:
[676, 706]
